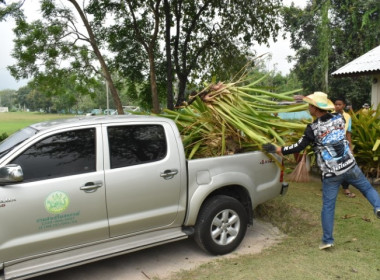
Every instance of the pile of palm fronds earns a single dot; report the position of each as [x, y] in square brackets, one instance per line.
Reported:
[227, 118]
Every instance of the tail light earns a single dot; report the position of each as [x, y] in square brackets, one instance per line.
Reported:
[282, 172]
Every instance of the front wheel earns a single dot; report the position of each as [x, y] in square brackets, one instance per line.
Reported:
[221, 225]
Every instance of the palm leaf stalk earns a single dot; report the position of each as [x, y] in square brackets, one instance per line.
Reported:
[227, 118]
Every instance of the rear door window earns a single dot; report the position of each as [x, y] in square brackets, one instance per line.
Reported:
[136, 144]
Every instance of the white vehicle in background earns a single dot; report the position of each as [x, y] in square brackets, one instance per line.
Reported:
[95, 112]
[110, 112]
[129, 109]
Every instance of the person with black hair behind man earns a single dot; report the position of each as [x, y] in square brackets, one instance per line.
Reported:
[328, 137]
[340, 104]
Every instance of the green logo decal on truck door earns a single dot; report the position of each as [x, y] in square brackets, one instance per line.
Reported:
[57, 202]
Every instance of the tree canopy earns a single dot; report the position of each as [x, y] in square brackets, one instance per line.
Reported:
[57, 49]
[328, 34]
[207, 38]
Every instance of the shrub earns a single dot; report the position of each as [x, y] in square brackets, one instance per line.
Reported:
[3, 136]
[365, 136]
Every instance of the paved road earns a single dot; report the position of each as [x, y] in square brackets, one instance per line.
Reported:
[163, 260]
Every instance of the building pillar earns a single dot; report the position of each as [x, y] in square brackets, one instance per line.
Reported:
[375, 93]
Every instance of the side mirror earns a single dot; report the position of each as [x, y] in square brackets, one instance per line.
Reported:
[11, 173]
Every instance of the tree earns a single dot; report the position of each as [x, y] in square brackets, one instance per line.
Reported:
[7, 98]
[197, 35]
[37, 101]
[134, 30]
[324, 44]
[22, 93]
[168, 49]
[94, 44]
[209, 31]
[211, 37]
[55, 49]
[340, 30]
[146, 37]
[11, 10]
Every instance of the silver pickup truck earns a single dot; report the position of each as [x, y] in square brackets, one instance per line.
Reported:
[74, 191]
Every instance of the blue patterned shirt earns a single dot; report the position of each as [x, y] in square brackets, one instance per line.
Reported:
[328, 138]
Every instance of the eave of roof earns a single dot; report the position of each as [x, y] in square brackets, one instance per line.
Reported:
[367, 64]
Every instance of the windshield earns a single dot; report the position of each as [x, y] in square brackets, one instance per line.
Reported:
[15, 139]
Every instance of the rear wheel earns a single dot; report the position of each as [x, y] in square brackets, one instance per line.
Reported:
[221, 225]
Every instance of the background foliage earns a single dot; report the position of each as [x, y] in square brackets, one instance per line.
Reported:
[351, 29]
[365, 135]
[195, 41]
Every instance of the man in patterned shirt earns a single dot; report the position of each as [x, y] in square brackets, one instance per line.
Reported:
[328, 138]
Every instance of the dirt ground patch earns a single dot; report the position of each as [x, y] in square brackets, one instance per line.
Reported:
[164, 260]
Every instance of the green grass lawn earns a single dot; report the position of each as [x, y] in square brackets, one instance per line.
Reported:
[10, 122]
[356, 254]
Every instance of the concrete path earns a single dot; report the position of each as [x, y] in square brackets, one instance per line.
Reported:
[163, 260]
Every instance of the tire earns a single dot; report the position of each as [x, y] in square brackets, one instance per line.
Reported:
[221, 225]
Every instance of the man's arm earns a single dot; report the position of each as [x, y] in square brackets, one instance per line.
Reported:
[301, 144]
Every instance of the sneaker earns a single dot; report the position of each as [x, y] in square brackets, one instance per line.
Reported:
[378, 213]
[323, 246]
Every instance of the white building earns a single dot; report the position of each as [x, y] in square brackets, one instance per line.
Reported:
[366, 65]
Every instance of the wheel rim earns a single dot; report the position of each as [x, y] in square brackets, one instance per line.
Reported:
[225, 227]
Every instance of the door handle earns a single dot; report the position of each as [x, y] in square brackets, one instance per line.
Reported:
[169, 174]
[91, 187]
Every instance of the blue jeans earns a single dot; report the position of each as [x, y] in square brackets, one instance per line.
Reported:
[330, 186]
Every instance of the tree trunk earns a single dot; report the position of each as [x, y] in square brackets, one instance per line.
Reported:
[103, 65]
[149, 48]
[325, 45]
[169, 72]
[181, 89]
[153, 83]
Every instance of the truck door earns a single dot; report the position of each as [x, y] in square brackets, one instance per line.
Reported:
[143, 177]
[61, 202]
